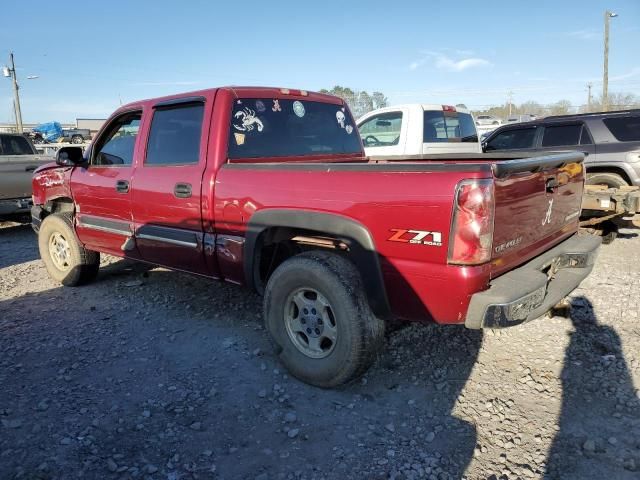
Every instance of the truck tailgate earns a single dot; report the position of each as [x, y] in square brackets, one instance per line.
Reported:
[16, 172]
[537, 206]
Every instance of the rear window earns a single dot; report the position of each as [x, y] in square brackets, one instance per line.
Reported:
[14, 145]
[441, 126]
[266, 127]
[512, 139]
[561, 135]
[625, 129]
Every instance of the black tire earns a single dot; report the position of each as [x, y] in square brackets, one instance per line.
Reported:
[359, 334]
[79, 265]
[77, 139]
[611, 180]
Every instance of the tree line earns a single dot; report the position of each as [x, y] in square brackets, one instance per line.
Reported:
[359, 101]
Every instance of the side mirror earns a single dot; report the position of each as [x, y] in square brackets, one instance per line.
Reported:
[69, 156]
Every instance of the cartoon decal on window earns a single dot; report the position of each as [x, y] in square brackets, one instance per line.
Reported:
[239, 138]
[276, 106]
[341, 118]
[248, 119]
[260, 106]
[298, 108]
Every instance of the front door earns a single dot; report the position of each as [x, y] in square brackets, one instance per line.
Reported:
[102, 190]
[167, 187]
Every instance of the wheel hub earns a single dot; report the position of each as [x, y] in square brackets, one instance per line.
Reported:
[60, 251]
[310, 323]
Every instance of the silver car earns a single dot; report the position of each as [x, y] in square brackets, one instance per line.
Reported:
[487, 120]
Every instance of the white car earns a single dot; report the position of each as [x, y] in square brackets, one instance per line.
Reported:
[488, 120]
[416, 129]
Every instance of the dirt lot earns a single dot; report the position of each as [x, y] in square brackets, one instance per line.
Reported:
[154, 374]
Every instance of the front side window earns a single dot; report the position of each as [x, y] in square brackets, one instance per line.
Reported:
[174, 138]
[561, 135]
[625, 129]
[445, 126]
[516, 139]
[14, 145]
[116, 147]
[268, 127]
[382, 130]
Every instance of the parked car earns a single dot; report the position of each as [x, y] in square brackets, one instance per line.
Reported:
[528, 117]
[76, 135]
[487, 120]
[18, 161]
[418, 129]
[609, 140]
[271, 189]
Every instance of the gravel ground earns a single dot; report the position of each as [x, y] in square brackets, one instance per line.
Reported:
[159, 375]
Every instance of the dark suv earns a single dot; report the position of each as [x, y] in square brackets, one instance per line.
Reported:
[609, 140]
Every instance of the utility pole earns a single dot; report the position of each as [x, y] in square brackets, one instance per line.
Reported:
[605, 74]
[510, 93]
[16, 95]
[589, 85]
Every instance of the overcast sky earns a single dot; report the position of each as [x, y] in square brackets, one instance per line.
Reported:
[92, 56]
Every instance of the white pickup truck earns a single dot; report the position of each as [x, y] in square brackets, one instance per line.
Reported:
[418, 129]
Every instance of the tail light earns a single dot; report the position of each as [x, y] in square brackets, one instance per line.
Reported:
[472, 227]
[448, 108]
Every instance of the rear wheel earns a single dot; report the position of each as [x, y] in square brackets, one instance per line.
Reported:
[319, 319]
[67, 261]
[611, 180]
[77, 139]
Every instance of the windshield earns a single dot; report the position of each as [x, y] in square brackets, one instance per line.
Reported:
[15, 145]
[440, 126]
[267, 127]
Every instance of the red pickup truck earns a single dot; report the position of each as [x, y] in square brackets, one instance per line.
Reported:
[270, 188]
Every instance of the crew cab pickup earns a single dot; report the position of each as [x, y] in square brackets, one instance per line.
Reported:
[271, 189]
[418, 129]
[18, 160]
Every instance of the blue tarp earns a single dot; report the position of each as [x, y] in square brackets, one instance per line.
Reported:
[50, 131]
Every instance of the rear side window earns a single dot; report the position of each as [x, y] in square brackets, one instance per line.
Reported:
[441, 126]
[382, 130]
[512, 139]
[14, 145]
[625, 129]
[585, 138]
[175, 134]
[561, 135]
[267, 127]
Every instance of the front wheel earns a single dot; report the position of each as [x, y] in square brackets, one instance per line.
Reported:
[66, 260]
[319, 319]
[77, 139]
[610, 180]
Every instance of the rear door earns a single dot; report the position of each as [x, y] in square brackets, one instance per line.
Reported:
[102, 190]
[449, 131]
[567, 136]
[167, 186]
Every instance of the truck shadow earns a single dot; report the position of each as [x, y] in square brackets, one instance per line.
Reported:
[195, 334]
[600, 406]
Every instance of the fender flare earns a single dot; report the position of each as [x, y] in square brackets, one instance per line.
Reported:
[362, 248]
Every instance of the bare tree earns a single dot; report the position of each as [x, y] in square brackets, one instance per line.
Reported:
[360, 102]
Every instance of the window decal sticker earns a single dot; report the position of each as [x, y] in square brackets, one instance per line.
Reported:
[239, 138]
[260, 106]
[340, 118]
[298, 108]
[348, 129]
[248, 119]
[276, 106]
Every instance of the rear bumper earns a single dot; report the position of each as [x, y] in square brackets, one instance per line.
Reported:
[15, 205]
[533, 289]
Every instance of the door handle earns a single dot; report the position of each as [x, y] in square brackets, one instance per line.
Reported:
[586, 154]
[122, 186]
[182, 190]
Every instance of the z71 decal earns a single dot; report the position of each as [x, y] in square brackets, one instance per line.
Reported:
[419, 237]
